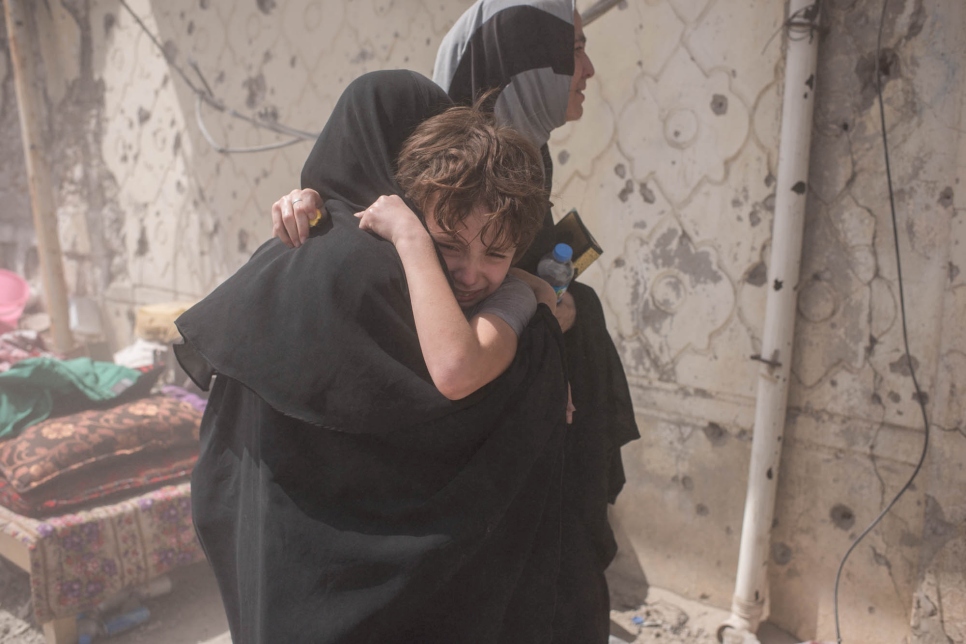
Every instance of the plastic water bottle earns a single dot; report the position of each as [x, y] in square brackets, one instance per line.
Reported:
[556, 268]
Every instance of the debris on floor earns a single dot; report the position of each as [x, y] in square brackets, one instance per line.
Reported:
[667, 618]
[659, 621]
[183, 606]
[16, 613]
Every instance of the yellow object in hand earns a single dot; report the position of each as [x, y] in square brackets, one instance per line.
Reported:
[316, 219]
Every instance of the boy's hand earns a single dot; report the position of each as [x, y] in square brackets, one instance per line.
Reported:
[292, 213]
[391, 219]
[570, 406]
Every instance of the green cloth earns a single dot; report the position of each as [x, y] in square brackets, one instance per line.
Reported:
[31, 389]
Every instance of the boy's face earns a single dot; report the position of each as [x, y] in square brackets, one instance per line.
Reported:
[477, 270]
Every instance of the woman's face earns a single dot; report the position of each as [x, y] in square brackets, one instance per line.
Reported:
[477, 269]
[583, 69]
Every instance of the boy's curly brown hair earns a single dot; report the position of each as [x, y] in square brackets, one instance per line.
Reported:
[461, 159]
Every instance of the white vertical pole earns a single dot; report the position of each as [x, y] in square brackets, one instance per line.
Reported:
[776, 352]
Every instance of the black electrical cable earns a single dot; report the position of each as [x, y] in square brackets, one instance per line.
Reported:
[905, 336]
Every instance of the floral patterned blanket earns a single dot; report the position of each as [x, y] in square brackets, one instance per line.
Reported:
[78, 560]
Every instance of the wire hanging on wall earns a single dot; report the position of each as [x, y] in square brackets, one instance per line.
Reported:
[205, 96]
[905, 335]
[800, 24]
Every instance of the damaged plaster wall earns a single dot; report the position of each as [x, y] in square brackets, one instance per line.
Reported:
[148, 211]
[856, 432]
[71, 111]
[673, 169]
[92, 220]
[17, 252]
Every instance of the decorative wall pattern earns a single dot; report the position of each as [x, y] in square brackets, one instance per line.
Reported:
[690, 166]
[677, 296]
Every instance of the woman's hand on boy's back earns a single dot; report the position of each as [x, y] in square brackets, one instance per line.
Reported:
[390, 218]
[292, 216]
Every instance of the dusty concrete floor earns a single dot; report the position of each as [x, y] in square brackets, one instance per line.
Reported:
[192, 614]
[667, 618]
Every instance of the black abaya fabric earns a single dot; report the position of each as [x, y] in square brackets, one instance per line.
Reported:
[473, 56]
[338, 496]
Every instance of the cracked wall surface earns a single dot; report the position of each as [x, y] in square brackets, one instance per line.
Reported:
[679, 182]
[856, 417]
[673, 168]
[16, 225]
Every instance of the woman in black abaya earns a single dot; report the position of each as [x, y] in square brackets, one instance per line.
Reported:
[339, 497]
[533, 52]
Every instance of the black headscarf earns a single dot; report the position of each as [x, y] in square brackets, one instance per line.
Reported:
[339, 497]
[525, 49]
[326, 335]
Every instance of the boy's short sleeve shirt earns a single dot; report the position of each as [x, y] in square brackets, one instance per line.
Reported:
[513, 302]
